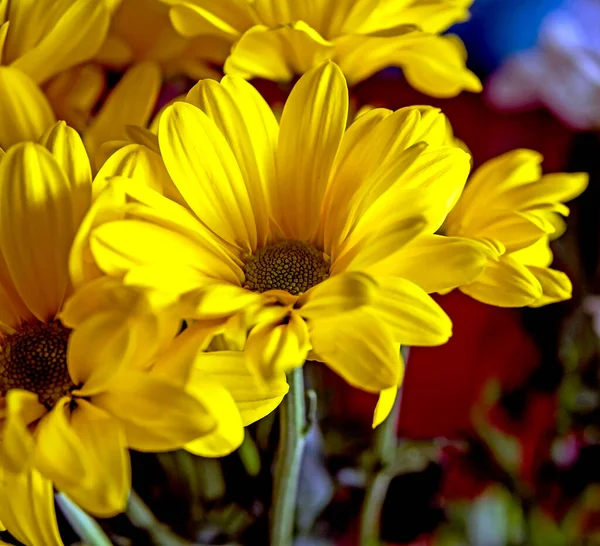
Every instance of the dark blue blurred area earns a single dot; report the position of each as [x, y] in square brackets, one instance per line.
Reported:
[498, 28]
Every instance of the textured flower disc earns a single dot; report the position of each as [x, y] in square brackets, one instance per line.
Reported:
[35, 359]
[290, 265]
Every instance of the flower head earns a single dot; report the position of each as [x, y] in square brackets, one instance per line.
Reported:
[510, 206]
[279, 39]
[313, 238]
[85, 376]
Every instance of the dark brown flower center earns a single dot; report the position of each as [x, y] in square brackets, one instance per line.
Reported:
[290, 265]
[35, 359]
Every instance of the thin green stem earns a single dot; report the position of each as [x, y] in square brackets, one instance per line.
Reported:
[293, 429]
[378, 480]
[85, 526]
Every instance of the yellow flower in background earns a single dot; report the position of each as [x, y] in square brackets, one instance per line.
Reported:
[140, 32]
[84, 376]
[312, 237]
[46, 37]
[510, 206]
[280, 39]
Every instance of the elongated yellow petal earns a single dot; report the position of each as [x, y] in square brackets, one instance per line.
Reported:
[93, 441]
[16, 448]
[338, 295]
[432, 64]
[384, 406]
[273, 348]
[102, 443]
[278, 53]
[505, 283]
[215, 300]
[228, 435]
[66, 146]
[24, 110]
[360, 350]
[75, 38]
[98, 347]
[412, 316]
[312, 125]
[36, 227]
[251, 130]
[254, 398]
[556, 285]
[130, 102]
[123, 245]
[190, 19]
[157, 415]
[420, 262]
[27, 508]
[204, 169]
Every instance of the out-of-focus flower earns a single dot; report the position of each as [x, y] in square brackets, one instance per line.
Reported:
[140, 32]
[509, 205]
[279, 39]
[562, 72]
[286, 246]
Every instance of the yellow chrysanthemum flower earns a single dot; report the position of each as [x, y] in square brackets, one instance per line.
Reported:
[313, 237]
[279, 39]
[510, 206]
[140, 33]
[85, 376]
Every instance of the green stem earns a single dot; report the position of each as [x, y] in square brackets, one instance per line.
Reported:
[293, 429]
[85, 526]
[378, 481]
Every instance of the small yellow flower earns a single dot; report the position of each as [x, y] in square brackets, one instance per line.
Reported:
[85, 376]
[511, 207]
[312, 237]
[279, 39]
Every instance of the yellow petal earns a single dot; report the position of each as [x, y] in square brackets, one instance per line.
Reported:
[312, 125]
[36, 227]
[254, 398]
[16, 448]
[433, 64]
[204, 169]
[97, 348]
[505, 283]
[384, 406]
[24, 110]
[538, 254]
[66, 146]
[217, 300]
[278, 53]
[138, 163]
[192, 20]
[3, 33]
[130, 103]
[123, 245]
[360, 349]
[228, 435]
[419, 262]
[556, 285]
[75, 38]
[27, 508]
[251, 130]
[337, 295]
[275, 348]
[412, 316]
[107, 206]
[85, 455]
[102, 441]
[157, 415]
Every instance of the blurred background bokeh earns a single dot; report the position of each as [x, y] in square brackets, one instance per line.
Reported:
[498, 432]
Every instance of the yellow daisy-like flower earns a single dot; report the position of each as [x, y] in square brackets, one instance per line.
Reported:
[510, 206]
[312, 237]
[279, 39]
[85, 376]
[140, 32]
